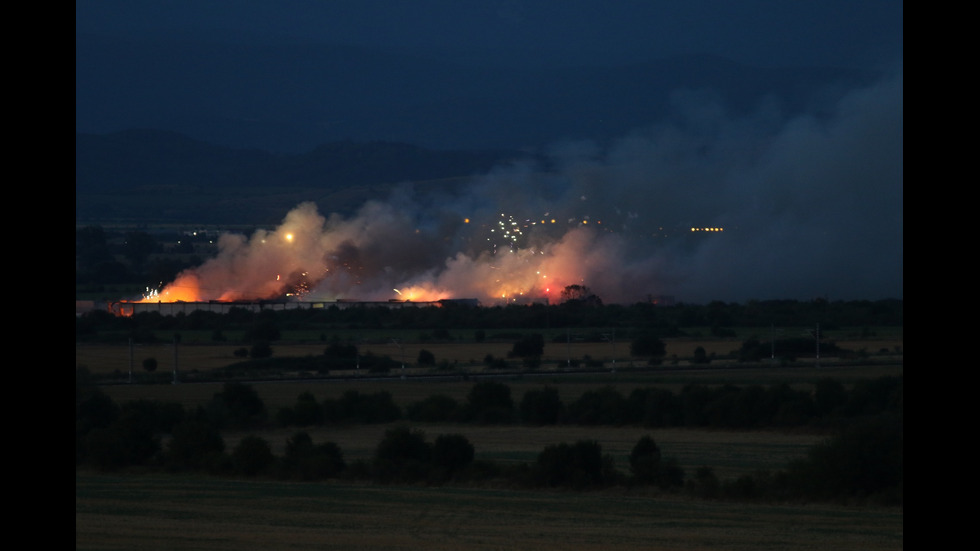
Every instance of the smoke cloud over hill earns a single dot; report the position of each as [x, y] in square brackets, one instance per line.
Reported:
[791, 208]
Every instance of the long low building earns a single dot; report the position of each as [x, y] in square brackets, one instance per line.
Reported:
[125, 308]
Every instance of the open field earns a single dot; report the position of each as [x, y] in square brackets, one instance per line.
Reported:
[192, 513]
[729, 453]
[157, 511]
[277, 394]
[204, 355]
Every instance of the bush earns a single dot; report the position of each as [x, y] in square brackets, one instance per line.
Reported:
[403, 455]
[355, 406]
[302, 460]
[541, 407]
[451, 453]
[529, 346]
[306, 412]
[648, 344]
[604, 406]
[252, 456]
[426, 358]
[150, 364]
[195, 445]
[645, 461]
[489, 402]
[259, 350]
[578, 466]
[864, 461]
[437, 408]
[236, 406]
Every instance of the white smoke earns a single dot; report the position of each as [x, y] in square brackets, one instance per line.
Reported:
[810, 206]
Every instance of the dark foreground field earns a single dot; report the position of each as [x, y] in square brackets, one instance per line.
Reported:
[189, 513]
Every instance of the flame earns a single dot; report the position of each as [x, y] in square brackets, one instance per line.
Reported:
[384, 255]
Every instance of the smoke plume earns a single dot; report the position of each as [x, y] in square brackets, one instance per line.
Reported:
[780, 207]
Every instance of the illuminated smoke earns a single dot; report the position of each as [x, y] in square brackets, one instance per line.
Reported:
[810, 206]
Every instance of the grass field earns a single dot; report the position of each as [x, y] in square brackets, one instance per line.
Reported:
[190, 513]
[204, 355]
[570, 386]
[154, 511]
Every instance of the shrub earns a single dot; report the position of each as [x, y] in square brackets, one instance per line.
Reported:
[529, 346]
[578, 466]
[648, 344]
[236, 406]
[541, 407]
[259, 350]
[195, 445]
[438, 408]
[451, 453]
[252, 456]
[645, 461]
[403, 455]
[489, 402]
[426, 358]
[302, 460]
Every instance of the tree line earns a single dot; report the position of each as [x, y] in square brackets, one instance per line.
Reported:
[719, 318]
[862, 461]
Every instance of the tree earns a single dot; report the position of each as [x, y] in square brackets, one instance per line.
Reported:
[529, 346]
[426, 358]
[259, 350]
[541, 406]
[648, 345]
[580, 465]
[252, 456]
[264, 329]
[195, 445]
[238, 405]
[450, 454]
[645, 461]
[303, 460]
[649, 467]
[490, 402]
[403, 455]
[306, 412]
[865, 460]
[438, 408]
[579, 294]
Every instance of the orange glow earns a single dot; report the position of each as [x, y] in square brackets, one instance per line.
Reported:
[183, 289]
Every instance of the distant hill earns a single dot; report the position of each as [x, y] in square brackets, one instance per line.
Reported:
[167, 177]
[292, 97]
[242, 130]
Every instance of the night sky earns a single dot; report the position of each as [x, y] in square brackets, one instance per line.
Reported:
[760, 32]
[811, 200]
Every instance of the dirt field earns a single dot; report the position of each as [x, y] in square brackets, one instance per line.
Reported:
[191, 513]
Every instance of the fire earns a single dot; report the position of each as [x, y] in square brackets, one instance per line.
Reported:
[384, 254]
[185, 288]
